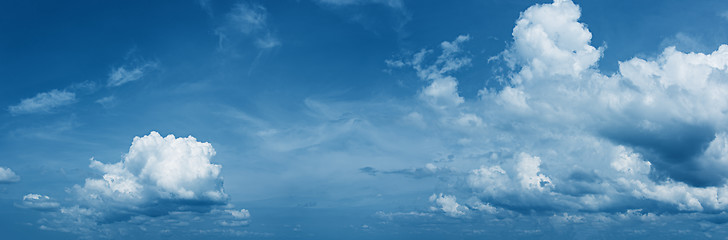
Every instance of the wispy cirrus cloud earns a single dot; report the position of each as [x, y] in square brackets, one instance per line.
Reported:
[125, 74]
[391, 3]
[48, 102]
[43, 102]
[246, 21]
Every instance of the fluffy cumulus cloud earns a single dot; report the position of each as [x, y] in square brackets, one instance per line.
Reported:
[43, 102]
[8, 176]
[562, 138]
[157, 177]
[548, 40]
[448, 204]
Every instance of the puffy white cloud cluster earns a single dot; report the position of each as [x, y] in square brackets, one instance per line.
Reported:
[524, 184]
[635, 177]
[158, 177]
[652, 106]
[653, 132]
[549, 41]
[448, 204]
[8, 176]
[156, 172]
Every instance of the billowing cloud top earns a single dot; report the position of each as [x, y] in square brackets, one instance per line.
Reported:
[158, 176]
[655, 130]
[158, 169]
[167, 168]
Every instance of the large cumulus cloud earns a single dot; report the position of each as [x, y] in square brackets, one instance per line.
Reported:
[159, 176]
[659, 122]
[558, 135]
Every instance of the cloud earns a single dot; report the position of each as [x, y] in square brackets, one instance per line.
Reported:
[107, 102]
[723, 14]
[39, 202]
[8, 176]
[548, 40]
[529, 173]
[442, 91]
[159, 176]
[449, 205]
[46, 102]
[247, 20]
[430, 170]
[559, 136]
[392, 215]
[43, 102]
[124, 74]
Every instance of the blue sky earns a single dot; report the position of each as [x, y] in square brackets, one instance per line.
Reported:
[362, 119]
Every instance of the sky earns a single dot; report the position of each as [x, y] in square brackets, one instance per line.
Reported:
[364, 119]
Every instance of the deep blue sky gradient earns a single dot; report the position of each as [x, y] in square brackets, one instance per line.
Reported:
[325, 88]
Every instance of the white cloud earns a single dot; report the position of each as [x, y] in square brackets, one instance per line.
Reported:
[449, 205]
[513, 98]
[8, 176]
[548, 40]
[107, 101]
[43, 102]
[239, 214]
[630, 162]
[555, 84]
[685, 197]
[528, 168]
[480, 206]
[565, 137]
[392, 215]
[442, 89]
[125, 74]
[490, 180]
[159, 176]
[159, 168]
[39, 202]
